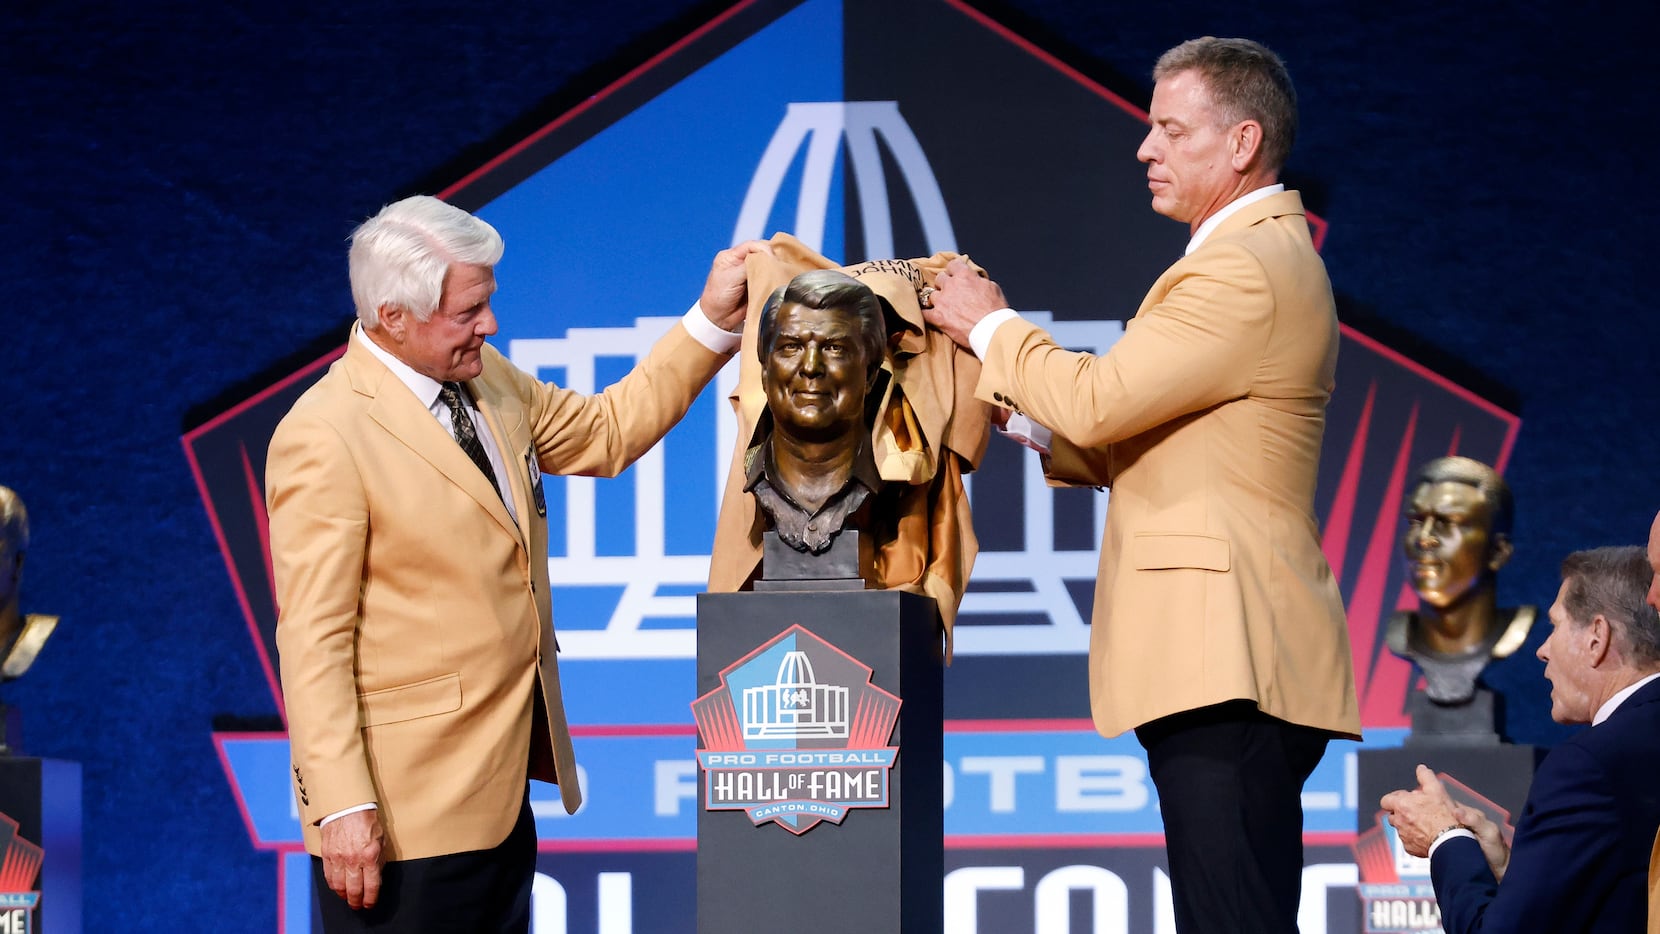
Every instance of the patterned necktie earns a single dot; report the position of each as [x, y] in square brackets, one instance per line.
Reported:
[464, 433]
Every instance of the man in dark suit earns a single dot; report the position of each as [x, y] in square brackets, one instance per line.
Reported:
[1579, 857]
[409, 544]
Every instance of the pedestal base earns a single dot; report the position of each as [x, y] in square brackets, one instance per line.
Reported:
[880, 868]
[1470, 724]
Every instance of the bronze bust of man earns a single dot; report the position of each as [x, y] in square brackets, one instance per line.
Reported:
[1458, 518]
[922, 429]
[821, 340]
[21, 637]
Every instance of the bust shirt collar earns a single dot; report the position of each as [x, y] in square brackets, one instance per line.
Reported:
[759, 464]
[424, 387]
[1215, 220]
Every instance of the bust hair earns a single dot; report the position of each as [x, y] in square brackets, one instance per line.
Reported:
[1247, 81]
[399, 257]
[1486, 480]
[828, 288]
[1613, 582]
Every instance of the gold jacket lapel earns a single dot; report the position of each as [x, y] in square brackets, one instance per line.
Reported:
[395, 409]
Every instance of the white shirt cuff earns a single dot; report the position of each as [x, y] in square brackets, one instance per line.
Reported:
[1448, 835]
[1027, 432]
[979, 338]
[706, 333]
[339, 814]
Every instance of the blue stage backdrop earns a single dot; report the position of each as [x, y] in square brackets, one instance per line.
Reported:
[187, 176]
[854, 151]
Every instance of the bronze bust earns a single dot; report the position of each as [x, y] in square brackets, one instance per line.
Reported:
[1458, 519]
[21, 636]
[922, 426]
[821, 341]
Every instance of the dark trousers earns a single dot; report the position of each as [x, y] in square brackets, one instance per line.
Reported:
[477, 891]
[1230, 781]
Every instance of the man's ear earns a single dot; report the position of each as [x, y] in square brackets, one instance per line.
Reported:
[1245, 143]
[394, 319]
[1499, 552]
[1599, 638]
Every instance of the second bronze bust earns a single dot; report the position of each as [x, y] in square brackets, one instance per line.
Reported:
[1457, 538]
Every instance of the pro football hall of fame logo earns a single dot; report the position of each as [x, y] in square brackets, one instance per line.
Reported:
[19, 869]
[796, 734]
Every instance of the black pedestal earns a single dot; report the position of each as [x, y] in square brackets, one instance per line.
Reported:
[794, 735]
[43, 797]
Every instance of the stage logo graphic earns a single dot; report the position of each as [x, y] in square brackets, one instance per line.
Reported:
[796, 734]
[19, 869]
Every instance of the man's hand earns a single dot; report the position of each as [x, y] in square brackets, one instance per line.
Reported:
[725, 297]
[352, 857]
[1421, 814]
[1488, 835]
[960, 298]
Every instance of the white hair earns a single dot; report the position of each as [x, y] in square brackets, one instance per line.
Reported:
[399, 257]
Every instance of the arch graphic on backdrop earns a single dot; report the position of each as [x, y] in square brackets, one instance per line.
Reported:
[821, 127]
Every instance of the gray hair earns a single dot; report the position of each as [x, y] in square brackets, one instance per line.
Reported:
[1612, 582]
[399, 257]
[828, 288]
[1246, 81]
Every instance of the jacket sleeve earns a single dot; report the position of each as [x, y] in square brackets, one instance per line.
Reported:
[600, 435]
[1067, 464]
[1197, 347]
[318, 529]
[1559, 858]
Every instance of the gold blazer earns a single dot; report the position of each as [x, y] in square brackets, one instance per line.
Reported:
[416, 639]
[1205, 419]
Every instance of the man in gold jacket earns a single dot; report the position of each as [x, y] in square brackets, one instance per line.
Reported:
[409, 545]
[1219, 633]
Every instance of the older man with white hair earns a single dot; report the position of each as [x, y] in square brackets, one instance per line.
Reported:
[409, 545]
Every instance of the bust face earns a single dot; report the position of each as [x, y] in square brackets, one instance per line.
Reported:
[1448, 542]
[815, 373]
